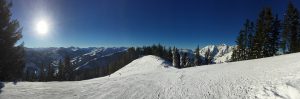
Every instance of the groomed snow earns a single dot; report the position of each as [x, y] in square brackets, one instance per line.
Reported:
[150, 77]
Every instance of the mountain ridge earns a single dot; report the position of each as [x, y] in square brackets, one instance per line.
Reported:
[84, 58]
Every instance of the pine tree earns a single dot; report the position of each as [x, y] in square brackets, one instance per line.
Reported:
[244, 42]
[188, 62]
[240, 46]
[176, 58]
[207, 57]
[42, 73]
[261, 41]
[197, 59]
[11, 55]
[68, 69]
[50, 72]
[234, 56]
[169, 55]
[250, 41]
[183, 59]
[275, 36]
[160, 50]
[290, 43]
[139, 51]
[268, 23]
[61, 70]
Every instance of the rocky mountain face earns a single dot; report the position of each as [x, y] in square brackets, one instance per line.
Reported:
[219, 53]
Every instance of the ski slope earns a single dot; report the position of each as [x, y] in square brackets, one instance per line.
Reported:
[152, 78]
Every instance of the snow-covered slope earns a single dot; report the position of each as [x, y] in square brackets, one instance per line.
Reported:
[143, 65]
[150, 77]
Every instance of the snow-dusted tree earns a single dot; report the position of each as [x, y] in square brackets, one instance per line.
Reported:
[207, 57]
[176, 58]
[187, 60]
[197, 59]
[11, 55]
[183, 59]
[244, 41]
[241, 41]
[235, 55]
[240, 49]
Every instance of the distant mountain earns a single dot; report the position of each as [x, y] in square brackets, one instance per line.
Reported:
[220, 53]
[86, 58]
[82, 58]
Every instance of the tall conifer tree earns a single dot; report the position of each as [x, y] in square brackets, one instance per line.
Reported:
[291, 30]
[11, 55]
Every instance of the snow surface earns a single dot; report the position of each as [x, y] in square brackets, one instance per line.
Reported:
[151, 77]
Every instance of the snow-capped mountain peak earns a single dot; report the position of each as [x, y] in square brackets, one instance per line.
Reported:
[219, 53]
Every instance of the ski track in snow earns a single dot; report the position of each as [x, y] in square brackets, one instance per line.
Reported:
[151, 78]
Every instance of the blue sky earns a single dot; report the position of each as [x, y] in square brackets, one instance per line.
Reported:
[108, 23]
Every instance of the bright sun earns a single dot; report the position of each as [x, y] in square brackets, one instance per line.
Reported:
[42, 27]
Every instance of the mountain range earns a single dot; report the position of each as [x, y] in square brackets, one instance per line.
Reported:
[84, 58]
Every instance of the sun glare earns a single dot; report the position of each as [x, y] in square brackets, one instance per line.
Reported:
[42, 27]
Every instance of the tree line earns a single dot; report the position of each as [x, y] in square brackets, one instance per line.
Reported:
[268, 36]
[49, 72]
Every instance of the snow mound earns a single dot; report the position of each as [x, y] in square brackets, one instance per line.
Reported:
[142, 65]
[148, 78]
